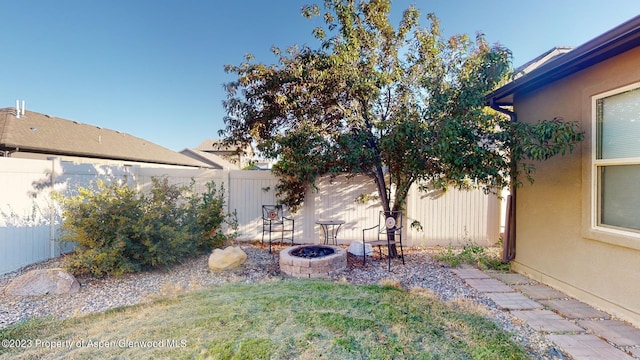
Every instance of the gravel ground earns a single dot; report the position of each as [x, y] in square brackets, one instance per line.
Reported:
[96, 295]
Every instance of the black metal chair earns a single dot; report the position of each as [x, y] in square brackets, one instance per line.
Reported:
[273, 220]
[389, 225]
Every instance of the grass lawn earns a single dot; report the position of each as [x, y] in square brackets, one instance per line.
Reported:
[289, 319]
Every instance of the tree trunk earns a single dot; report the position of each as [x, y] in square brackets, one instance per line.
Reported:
[401, 197]
[391, 235]
[393, 251]
[386, 206]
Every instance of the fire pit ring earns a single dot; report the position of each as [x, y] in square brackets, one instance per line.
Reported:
[305, 265]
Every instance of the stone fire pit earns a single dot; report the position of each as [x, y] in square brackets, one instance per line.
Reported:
[313, 261]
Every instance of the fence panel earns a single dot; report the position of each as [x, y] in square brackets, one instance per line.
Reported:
[30, 220]
[453, 217]
[23, 245]
[337, 199]
[25, 213]
[180, 176]
[248, 191]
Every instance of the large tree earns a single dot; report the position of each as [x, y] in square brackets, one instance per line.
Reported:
[400, 104]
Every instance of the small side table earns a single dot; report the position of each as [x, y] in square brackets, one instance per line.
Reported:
[330, 229]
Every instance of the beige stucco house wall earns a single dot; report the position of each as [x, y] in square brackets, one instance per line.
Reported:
[556, 241]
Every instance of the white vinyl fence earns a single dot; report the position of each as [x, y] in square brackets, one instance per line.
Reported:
[30, 219]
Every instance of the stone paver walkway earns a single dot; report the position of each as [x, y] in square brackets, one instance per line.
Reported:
[546, 321]
[513, 301]
[580, 330]
[574, 309]
[540, 292]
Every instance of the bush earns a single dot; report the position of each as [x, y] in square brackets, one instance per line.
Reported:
[118, 230]
[472, 254]
[208, 211]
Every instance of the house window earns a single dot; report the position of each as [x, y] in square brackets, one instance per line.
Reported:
[617, 160]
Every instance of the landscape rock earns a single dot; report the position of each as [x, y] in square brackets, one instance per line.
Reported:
[54, 281]
[228, 258]
[355, 248]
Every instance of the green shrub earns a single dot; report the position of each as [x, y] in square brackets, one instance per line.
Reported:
[119, 230]
[473, 254]
[209, 212]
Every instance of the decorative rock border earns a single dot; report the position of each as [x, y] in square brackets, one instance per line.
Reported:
[322, 267]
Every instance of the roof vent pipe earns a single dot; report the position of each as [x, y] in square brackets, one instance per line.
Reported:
[20, 112]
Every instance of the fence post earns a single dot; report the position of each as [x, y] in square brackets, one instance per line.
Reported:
[55, 167]
[408, 207]
[226, 180]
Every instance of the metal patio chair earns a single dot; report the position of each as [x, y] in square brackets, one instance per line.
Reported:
[273, 221]
[389, 226]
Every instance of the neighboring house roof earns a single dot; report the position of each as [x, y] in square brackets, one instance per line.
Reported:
[541, 60]
[33, 132]
[240, 155]
[220, 147]
[212, 159]
[615, 41]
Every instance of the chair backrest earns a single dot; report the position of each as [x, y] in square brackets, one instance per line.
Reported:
[272, 212]
[390, 221]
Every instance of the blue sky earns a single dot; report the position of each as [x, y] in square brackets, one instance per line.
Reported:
[154, 68]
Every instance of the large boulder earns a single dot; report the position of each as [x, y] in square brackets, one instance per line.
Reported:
[41, 282]
[357, 249]
[230, 257]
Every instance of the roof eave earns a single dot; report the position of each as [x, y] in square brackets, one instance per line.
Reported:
[53, 152]
[616, 41]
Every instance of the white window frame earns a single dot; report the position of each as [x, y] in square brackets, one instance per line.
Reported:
[598, 163]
